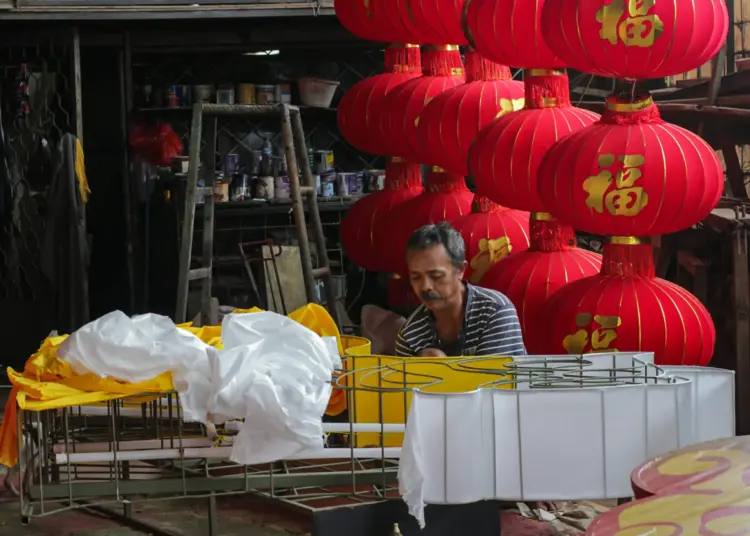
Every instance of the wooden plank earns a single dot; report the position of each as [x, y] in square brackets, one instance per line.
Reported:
[289, 266]
[742, 327]
[735, 174]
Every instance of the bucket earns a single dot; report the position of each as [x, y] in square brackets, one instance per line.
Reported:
[262, 188]
[264, 94]
[282, 188]
[246, 93]
[317, 92]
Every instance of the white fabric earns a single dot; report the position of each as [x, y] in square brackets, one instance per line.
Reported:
[555, 444]
[274, 373]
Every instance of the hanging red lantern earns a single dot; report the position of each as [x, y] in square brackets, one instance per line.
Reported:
[445, 198]
[402, 107]
[450, 122]
[376, 20]
[631, 174]
[635, 38]
[626, 308]
[507, 152]
[529, 278]
[438, 21]
[508, 32]
[491, 233]
[365, 219]
[359, 110]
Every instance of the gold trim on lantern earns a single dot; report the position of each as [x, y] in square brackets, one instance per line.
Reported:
[457, 71]
[403, 45]
[437, 169]
[396, 160]
[541, 216]
[441, 48]
[543, 72]
[615, 106]
[395, 276]
[625, 240]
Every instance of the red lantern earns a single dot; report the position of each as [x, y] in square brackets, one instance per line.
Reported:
[359, 110]
[507, 152]
[635, 38]
[450, 123]
[626, 308]
[445, 197]
[490, 234]
[529, 278]
[438, 21]
[402, 107]
[365, 219]
[631, 174]
[375, 20]
[508, 32]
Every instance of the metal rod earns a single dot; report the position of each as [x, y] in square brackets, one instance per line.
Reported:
[220, 453]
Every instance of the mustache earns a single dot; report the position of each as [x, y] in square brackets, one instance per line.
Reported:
[429, 296]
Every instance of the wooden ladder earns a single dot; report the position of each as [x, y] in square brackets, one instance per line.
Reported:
[295, 151]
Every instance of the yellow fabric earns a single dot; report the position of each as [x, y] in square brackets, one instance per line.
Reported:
[48, 382]
[83, 182]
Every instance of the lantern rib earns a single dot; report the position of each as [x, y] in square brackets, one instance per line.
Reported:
[639, 320]
[665, 175]
[682, 322]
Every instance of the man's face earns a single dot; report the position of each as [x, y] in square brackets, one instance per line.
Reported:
[434, 279]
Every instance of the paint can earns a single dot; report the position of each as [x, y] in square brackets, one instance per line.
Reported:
[262, 188]
[374, 180]
[323, 161]
[283, 93]
[221, 191]
[240, 188]
[264, 94]
[328, 184]
[171, 100]
[203, 93]
[246, 93]
[282, 188]
[355, 183]
[225, 95]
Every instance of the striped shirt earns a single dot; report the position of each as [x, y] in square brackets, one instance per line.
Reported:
[491, 327]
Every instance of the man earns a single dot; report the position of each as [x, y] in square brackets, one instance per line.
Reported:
[455, 318]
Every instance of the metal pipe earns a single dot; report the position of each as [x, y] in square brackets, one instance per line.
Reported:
[218, 453]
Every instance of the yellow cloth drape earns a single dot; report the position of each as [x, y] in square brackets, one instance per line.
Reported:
[48, 382]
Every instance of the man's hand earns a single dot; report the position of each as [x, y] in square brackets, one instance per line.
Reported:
[431, 352]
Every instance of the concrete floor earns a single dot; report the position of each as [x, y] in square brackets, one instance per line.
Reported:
[238, 516]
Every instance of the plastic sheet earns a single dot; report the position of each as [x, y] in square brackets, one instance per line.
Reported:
[275, 374]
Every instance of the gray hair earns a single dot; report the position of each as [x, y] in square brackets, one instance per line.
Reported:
[441, 234]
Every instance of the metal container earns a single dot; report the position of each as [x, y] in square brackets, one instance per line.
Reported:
[221, 190]
[245, 93]
[225, 95]
[328, 184]
[323, 161]
[171, 100]
[355, 183]
[203, 93]
[264, 94]
[282, 190]
[283, 93]
[239, 190]
[184, 96]
[262, 187]
[374, 180]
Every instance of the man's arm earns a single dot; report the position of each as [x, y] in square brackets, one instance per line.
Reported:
[402, 347]
[503, 334]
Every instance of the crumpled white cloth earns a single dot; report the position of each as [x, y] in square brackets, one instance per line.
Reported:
[274, 373]
[140, 348]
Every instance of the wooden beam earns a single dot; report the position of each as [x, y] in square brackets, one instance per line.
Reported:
[735, 174]
[742, 328]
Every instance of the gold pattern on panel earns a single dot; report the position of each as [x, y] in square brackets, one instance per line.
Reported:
[629, 22]
[603, 334]
[626, 198]
[490, 251]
